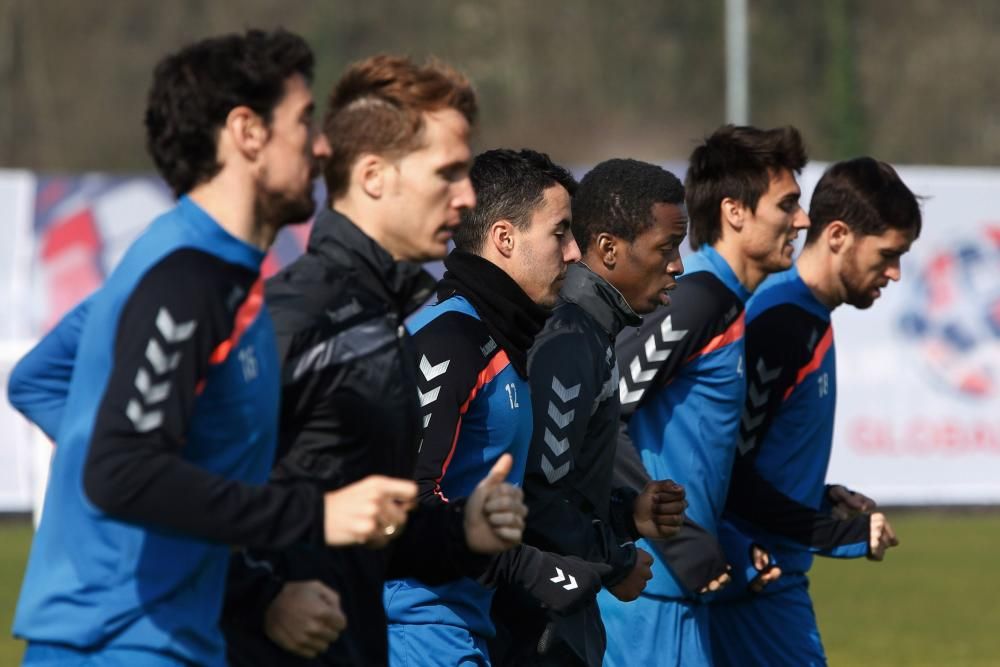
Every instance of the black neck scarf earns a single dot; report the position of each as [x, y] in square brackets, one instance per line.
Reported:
[511, 317]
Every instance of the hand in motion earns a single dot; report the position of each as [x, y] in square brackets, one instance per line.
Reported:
[495, 512]
[659, 509]
[305, 618]
[769, 572]
[632, 585]
[370, 512]
[848, 504]
[881, 538]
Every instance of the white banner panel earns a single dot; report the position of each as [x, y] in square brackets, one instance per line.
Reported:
[918, 397]
[918, 416]
[17, 196]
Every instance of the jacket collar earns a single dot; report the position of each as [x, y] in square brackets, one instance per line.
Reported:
[598, 298]
[406, 285]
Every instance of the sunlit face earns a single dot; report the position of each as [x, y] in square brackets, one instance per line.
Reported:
[769, 232]
[870, 262]
[545, 248]
[650, 264]
[429, 187]
[290, 158]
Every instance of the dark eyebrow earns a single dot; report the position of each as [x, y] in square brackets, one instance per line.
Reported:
[463, 165]
[792, 196]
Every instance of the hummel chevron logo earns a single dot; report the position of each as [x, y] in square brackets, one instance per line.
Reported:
[627, 396]
[562, 420]
[564, 394]
[431, 372]
[151, 393]
[638, 374]
[160, 362]
[757, 398]
[557, 445]
[427, 420]
[667, 332]
[553, 474]
[747, 445]
[429, 397]
[143, 421]
[654, 355]
[171, 331]
[642, 372]
[750, 423]
[765, 374]
[560, 577]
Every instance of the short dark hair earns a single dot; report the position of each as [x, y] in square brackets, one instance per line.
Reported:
[378, 106]
[867, 195]
[509, 185]
[736, 162]
[617, 197]
[195, 88]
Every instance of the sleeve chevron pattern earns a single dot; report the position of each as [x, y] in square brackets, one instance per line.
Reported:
[564, 392]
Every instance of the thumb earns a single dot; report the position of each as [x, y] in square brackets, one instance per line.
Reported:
[499, 472]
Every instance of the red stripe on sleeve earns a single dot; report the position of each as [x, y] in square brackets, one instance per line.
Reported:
[496, 365]
[244, 318]
[730, 335]
[814, 363]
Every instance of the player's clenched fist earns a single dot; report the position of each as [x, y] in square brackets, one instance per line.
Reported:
[881, 537]
[847, 504]
[659, 509]
[370, 512]
[769, 572]
[634, 583]
[305, 618]
[495, 512]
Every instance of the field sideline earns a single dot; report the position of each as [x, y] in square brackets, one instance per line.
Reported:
[934, 601]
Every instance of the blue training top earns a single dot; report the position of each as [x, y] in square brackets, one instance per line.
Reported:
[476, 408]
[161, 391]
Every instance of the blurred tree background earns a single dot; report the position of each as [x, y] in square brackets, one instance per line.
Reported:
[911, 81]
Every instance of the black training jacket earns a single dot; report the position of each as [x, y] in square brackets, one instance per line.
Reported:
[349, 409]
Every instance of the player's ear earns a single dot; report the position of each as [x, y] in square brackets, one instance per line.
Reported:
[838, 236]
[370, 172]
[607, 249]
[244, 131]
[732, 212]
[501, 236]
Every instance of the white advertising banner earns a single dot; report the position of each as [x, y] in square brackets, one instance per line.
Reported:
[17, 445]
[918, 395]
[918, 398]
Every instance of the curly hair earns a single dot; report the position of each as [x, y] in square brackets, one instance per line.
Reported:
[195, 88]
[378, 105]
[617, 197]
[509, 185]
[738, 163]
[867, 195]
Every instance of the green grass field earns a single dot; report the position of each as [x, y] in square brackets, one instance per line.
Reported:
[934, 601]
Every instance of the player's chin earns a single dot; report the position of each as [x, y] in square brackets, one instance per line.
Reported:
[863, 301]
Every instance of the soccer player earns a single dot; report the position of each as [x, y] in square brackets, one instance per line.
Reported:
[630, 221]
[510, 258]
[161, 390]
[864, 219]
[682, 372]
[398, 180]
